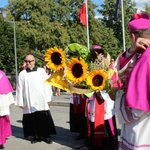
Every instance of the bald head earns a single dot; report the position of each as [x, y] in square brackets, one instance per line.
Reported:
[30, 61]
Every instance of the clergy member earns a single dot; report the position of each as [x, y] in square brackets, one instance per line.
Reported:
[34, 96]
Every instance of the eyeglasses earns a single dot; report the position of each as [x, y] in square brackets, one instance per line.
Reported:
[28, 61]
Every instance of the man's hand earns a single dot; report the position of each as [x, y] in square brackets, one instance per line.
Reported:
[139, 45]
[49, 103]
[22, 107]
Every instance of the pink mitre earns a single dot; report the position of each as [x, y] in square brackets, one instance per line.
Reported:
[96, 47]
[139, 21]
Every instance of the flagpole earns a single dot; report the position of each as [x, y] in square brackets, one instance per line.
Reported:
[123, 28]
[87, 25]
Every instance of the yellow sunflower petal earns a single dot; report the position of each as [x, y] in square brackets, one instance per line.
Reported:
[76, 70]
[55, 58]
[96, 79]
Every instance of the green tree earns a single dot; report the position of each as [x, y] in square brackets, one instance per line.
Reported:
[52, 23]
[44, 24]
[107, 11]
[147, 8]
[6, 47]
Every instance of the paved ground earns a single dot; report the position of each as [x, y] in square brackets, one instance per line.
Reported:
[63, 140]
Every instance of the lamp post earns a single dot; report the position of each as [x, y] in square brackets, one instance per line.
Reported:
[4, 13]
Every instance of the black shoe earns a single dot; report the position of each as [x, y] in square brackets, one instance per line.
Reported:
[79, 137]
[38, 139]
[35, 140]
[1, 147]
[47, 140]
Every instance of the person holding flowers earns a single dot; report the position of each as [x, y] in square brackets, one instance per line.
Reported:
[77, 72]
[67, 70]
[100, 111]
[133, 100]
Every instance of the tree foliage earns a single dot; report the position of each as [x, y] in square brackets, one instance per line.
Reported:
[7, 61]
[147, 8]
[44, 24]
[107, 11]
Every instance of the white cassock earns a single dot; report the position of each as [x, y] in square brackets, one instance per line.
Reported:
[31, 92]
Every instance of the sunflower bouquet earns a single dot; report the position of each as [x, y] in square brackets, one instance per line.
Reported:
[74, 70]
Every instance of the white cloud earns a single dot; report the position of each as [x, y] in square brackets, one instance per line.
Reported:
[141, 1]
[140, 4]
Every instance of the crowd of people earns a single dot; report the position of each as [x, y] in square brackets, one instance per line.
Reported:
[94, 117]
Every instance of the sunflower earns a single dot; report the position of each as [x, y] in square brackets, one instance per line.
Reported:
[76, 70]
[96, 79]
[54, 58]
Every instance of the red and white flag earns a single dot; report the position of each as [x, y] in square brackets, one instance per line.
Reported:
[82, 14]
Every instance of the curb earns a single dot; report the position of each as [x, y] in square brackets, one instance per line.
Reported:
[60, 104]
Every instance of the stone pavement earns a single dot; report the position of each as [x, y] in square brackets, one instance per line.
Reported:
[62, 100]
[64, 139]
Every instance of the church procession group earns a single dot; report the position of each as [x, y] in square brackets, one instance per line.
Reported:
[100, 88]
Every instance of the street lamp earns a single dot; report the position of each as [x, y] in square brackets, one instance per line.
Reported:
[4, 13]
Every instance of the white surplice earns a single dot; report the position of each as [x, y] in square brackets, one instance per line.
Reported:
[135, 126]
[31, 92]
[5, 101]
[109, 109]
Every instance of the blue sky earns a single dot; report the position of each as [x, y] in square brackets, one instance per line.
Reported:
[3, 3]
